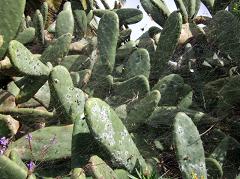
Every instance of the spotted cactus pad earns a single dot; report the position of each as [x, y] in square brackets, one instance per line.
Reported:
[111, 134]
[189, 148]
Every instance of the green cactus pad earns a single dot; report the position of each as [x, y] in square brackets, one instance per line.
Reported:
[1, 40]
[121, 174]
[149, 45]
[26, 36]
[52, 27]
[78, 173]
[158, 16]
[126, 15]
[100, 12]
[138, 64]
[76, 62]
[23, 24]
[58, 49]
[216, 5]
[152, 31]
[185, 97]
[124, 35]
[108, 32]
[100, 85]
[9, 169]
[68, 101]
[142, 110]
[16, 158]
[99, 169]
[81, 22]
[90, 16]
[180, 5]
[48, 144]
[191, 7]
[28, 86]
[11, 12]
[189, 149]
[111, 134]
[29, 21]
[39, 26]
[27, 115]
[81, 78]
[129, 16]
[65, 21]
[169, 86]
[221, 5]
[214, 169]
[228, 95]
[223, 31]
[220, 152]
[23, 60]
[43, 95]
[82, 139]
[161, 6]
[130, 90]
[164, 116]
[44, 12]
[167, 42]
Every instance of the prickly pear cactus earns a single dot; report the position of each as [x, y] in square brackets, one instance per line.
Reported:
[26, 36]
[138, 64]
[57, 50]
[47, 144]
[69, 101]
[159, 16]
[169, 87]
[189, 149]
[112, 135]
[107, 41]
[167, 42]
[10, 21]
[223, 31]
[9, 169]
[142, 110]
[65, 21]
[79, 97]
[39, 26]
[23, 60]
[100, 169]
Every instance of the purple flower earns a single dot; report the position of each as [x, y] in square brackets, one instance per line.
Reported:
[31, 165]
[3, 145]
[29, 137]
[4, 141]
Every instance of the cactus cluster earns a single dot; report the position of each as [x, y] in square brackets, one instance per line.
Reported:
[80, 99]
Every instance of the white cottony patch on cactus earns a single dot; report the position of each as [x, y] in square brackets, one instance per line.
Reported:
[108, 134]
[124, 133]
[179, 130]
[95, 109]
[108, 137]
[104, 115]
[121, 157]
